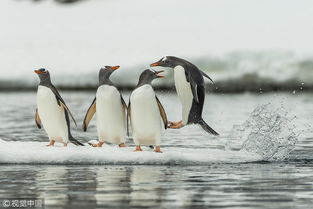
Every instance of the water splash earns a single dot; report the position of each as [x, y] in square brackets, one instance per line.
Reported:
[268, 132]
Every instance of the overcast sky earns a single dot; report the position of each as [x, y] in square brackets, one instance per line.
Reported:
[93, 33]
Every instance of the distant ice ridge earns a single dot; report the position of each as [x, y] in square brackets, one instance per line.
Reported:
[273, 66]
[241, 71]
[268, 132]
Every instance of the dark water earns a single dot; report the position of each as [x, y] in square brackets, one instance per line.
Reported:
[284, 184]
[275, 185]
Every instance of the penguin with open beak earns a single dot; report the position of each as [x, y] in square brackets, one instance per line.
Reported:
[110, 109]
[190, 88]
[52, 112]
[145, 112]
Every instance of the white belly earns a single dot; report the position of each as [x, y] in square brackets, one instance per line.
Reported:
[52, 115]
[111, 121]
[145, 116]
[184, 92]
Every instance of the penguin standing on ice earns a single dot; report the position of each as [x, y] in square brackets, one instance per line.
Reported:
[52, 111]
[189, 85]
[145, 112]
[110, 109]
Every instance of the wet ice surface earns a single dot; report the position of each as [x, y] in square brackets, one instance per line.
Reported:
[226, 184]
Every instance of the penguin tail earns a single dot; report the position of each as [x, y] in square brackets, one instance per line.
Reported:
[206, 127]
[76, 142]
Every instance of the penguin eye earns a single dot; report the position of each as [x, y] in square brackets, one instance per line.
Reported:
[163, 60]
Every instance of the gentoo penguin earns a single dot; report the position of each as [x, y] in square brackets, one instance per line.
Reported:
[110, 109]
[189, 85]
[52, 111]
[145, 112]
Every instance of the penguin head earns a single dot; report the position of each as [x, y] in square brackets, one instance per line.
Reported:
[106, 72]
[43, 74]
[148, 76]
[167, 61]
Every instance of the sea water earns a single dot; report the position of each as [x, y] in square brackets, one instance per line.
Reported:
[262, 158]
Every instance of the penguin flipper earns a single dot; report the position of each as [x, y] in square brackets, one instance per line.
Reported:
[193, 86]
[207, 128]
[128, 117]
[194, 89]
[61, 102]
[68, 110]
[37, 119]
[90, 112]
[123, 103]
[162, 112]
[125, 109]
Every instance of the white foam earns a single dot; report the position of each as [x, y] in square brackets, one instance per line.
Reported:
[269, 132]
[38, 153]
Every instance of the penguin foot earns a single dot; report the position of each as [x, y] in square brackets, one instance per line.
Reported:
[65, 144]
[175, 125]
[138, 149]
[158, 149]
[122, 145]
[97, 145]
[51, 143]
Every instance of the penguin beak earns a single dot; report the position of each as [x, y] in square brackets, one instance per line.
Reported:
[38, 72]
[158, 72]
[115, 67]
[155, 64]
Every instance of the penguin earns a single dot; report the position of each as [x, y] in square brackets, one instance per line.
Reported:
[189, 85]
[110, 109]
[145, 112]
[52, 112]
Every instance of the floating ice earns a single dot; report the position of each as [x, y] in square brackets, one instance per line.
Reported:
[266, 135]
[38, 153]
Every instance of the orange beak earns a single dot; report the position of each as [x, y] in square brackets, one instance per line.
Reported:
[115, 67]
[160, 76]
[38, 71]
[155, 64]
